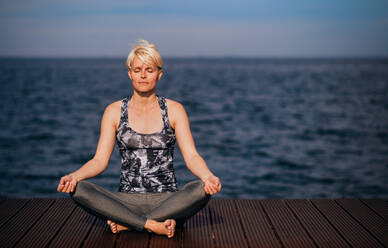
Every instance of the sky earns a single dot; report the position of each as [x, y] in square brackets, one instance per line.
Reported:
[246, 28]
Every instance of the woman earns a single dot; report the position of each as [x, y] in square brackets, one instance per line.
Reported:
[145, 127]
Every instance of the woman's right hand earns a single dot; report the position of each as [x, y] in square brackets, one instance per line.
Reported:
[67, 184]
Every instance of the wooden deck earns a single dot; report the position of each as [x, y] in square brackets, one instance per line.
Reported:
[223, 223]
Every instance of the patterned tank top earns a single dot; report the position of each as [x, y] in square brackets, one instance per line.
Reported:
[146, 159]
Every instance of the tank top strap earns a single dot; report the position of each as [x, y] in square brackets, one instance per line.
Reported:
[163, 108]
[124, 111]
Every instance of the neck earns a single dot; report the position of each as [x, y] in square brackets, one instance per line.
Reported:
[143, 100]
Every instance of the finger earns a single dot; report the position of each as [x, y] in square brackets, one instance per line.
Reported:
[210, 191]
[215, 190]
[69, 189]
[72, 187]
[215, 186]
[62, 187]
[66, 187]
[206, 190]
[63, 180]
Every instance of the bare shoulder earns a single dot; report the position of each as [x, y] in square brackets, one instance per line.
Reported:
[174, 106]
[113, 108]
[112, 113]
[176, 112]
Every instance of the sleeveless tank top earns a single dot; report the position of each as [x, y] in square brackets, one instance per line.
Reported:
[146, 159]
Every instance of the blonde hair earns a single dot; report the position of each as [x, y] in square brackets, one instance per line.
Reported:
[147, 52]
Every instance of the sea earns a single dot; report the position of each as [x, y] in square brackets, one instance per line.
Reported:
[267, 127]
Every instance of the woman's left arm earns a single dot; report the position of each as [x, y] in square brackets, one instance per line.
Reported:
[193, 160]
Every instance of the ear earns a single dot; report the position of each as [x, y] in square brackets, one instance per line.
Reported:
[129, 74]
[160, 75]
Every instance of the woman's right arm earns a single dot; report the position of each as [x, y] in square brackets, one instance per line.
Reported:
[104, 150]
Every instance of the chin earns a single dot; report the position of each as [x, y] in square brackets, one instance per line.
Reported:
[144, 91]
[144, 88]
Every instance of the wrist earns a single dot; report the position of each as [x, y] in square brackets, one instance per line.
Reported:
[206, 177]
[76, 177]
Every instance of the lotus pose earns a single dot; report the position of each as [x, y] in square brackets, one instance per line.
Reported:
[146, 127]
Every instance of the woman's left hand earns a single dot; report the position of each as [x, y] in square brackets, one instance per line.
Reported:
[212, 185]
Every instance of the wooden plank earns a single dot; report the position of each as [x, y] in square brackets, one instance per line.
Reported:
[133, 239]
[19, 225]
[227, 228]
[48, 225]
[161, 241]
[197, 230]
[223, 223]
[287, 227]
[376, 225]
[256, 225]
[74, 230]
[352, 231]
[315, 224]
[380, 206]
[9, 208]
[100, 236]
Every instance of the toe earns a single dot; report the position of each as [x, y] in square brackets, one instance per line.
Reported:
[167, 223]
[170, 234]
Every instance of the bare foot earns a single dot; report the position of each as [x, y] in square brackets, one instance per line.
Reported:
[116, 228]
[163, 228]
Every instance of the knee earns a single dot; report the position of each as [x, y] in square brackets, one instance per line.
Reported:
[81, 190]
[197, 197]
[196, 190]
[196, 184]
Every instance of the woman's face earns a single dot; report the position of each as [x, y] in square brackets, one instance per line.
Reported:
[144, 76]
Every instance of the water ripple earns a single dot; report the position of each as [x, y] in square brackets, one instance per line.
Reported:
[269, 128]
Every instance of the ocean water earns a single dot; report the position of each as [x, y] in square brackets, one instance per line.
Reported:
[268, 128]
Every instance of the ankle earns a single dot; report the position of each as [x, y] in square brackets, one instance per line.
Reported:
[149, 224]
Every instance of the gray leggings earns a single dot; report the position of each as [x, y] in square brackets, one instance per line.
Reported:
[133, 209]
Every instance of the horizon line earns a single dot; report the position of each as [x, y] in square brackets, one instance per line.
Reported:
[275, 57]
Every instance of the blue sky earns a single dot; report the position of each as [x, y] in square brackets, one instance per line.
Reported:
[262, 28]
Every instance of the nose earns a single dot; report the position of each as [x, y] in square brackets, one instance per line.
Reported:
[143, 74]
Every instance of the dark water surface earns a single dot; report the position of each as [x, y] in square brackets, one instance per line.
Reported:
[269, 128]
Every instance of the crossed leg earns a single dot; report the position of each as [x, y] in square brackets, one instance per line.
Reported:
[156, 212]
[166, 227]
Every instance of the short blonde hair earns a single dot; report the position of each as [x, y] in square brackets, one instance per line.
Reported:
[147, 52]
